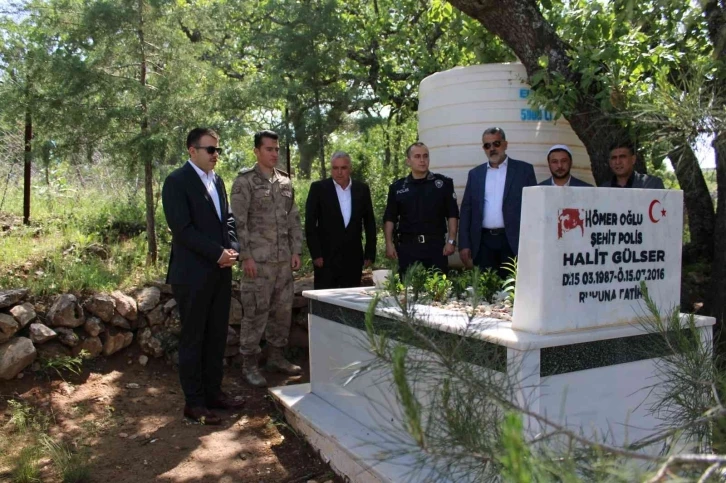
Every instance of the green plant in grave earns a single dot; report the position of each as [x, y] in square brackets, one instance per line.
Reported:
[459, 284]
[488, 285]
[416, 278]
[438, 286]
[508, 285]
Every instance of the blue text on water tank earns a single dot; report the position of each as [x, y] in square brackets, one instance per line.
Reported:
[533, 114]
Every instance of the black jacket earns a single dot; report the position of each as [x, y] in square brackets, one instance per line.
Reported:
[198, 235]
[326, 234]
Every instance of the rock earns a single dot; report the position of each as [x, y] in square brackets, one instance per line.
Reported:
[102, 306]
[66, 312]
[8, 327]
[125, 305]
[12, 297]
[235, 312]
[120, 322]
[113, 341]
[143, 360]
[156, 316]
[52, 350]
[169, 305]
[148, 298]
[15, 356]
[67, 337]
[94, 326]
[232, 337]
[164, 288]
[141, 322]
[123, 435]
[23, 313]
[132, 385]
[150, 344]
[92, 345]
[128, 339]
[173, 323]
[41, 333]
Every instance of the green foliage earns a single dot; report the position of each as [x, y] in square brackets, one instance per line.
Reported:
[411, 406]
[488, 284]
[515, 456]
[25, 418]
[72, 466]
[61, 363]
[438, 286]
[509, 282]
[26, 465]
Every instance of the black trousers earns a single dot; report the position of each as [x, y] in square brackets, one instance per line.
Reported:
[338, 275]
[494, 252]
[429, 254]
[204, 312]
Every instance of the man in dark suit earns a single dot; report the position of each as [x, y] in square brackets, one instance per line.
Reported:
[203, 250]
[337, 212]
[622, 164]
[559, 160]
[492, 205]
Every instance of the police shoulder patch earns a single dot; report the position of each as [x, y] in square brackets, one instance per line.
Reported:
[439, 183]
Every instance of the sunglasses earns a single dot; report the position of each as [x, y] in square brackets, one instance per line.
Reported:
[210, 149]
[496, 144]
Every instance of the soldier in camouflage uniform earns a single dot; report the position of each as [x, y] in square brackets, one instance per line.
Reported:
[270, 238]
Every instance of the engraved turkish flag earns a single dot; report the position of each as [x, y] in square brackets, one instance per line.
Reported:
[568, 219]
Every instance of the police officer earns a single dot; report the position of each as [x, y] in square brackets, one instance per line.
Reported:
[422, 208]
[270, 238]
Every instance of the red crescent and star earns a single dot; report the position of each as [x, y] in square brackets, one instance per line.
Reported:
[650, 211]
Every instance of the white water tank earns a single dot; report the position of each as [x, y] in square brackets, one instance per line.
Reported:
[457, 105]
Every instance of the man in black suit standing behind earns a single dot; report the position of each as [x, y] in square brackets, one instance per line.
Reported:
[204, 248]
[337, 211]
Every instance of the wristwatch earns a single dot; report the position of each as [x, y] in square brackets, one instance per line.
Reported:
[451, 241]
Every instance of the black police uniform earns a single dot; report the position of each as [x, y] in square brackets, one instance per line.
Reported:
[420, 209]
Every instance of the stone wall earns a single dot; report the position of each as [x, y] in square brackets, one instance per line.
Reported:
[101, 324]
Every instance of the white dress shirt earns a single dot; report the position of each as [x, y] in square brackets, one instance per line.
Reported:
[208, 181]
[494, 195]
[566, 184]
[344, 200]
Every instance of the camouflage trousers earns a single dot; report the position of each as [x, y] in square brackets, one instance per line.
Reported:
[267, 305]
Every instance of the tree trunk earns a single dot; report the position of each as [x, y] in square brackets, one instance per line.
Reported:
[716, 306]
[520, 24]
[146, 153]
[699, 204]
[28, 154]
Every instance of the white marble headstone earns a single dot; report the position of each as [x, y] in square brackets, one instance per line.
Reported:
[584, 251]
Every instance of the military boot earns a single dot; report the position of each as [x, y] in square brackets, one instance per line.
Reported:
[276, 362]
[251, 371]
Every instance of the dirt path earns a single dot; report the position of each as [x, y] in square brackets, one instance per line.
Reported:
[130, 420]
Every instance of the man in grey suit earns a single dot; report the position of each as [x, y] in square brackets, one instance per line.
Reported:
[492, 205]
[559, 160]
[622, 164]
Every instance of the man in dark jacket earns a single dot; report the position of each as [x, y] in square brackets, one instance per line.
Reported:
[203, 251]
[622, 164]
[337, 212]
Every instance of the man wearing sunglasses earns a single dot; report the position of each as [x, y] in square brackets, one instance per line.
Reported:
[492, 205]
[270, 238]
[203, 250]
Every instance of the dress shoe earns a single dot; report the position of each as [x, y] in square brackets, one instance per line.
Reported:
[202, 415]
[223, 401]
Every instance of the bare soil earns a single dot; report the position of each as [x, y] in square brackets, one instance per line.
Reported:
[128, 418]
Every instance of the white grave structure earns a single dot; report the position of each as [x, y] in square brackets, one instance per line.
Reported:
[575, 343]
